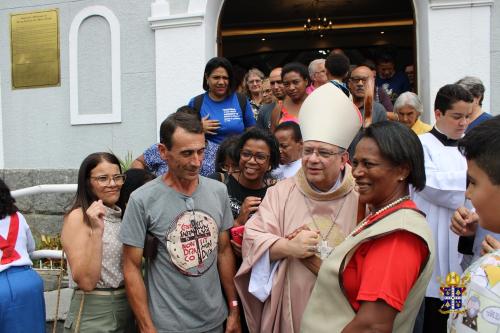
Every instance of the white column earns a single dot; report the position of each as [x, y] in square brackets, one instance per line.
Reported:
[180, 55]
[459, 44]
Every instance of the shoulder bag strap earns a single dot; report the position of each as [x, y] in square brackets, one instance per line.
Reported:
[198, 101]
[242, 100]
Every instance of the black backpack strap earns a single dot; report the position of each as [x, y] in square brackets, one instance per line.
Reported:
[197, 102]
[242, 100]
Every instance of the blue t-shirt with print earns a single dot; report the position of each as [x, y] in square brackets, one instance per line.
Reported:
[394, 86]
[228, 113]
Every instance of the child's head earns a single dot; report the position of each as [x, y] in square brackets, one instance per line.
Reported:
[481, 148]
[227, 155]
[135, 179]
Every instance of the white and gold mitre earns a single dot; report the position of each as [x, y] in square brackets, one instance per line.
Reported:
[328, 115]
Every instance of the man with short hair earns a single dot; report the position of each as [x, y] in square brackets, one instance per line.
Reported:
[267, 93]
[301, 218]
[317, 74]
[277, 84]
[189, 215]
[337, 69]
[290, 143]
[394, 83]
[358, 86]
[410, 74]
[445, 170]
[278, 90]
[470, 243]
[481, 148]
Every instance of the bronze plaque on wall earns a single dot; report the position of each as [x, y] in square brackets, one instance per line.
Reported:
[34, 43]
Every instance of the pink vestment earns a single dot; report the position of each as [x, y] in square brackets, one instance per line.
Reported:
[288, 205]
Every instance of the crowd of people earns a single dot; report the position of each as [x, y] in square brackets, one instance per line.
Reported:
[311, 200]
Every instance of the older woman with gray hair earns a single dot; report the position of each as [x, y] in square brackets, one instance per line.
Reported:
[408, 108]
[253, 89]
[475, 86]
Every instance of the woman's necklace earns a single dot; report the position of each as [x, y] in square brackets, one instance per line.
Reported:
[381, 210]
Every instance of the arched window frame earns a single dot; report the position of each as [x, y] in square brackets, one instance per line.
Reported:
[115, 115]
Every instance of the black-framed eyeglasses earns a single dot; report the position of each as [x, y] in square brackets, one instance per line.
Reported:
[260, 158]
[324, 153]
[106, 180]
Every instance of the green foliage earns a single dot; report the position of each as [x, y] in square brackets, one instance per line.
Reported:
[49, 242]
[46, 242]
[126, 162]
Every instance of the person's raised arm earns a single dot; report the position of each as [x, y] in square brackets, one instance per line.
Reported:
[136, 290]
[464, 222]
[227, 270]
[249, 206]
[489, 244]
[303, 245]
[275, 117]
[83, 245]
[138, 163]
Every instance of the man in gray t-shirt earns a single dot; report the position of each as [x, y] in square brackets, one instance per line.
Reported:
[190, 216]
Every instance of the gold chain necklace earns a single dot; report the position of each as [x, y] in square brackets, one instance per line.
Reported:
[383, 209]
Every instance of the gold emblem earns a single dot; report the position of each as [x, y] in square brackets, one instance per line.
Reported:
[451, 292]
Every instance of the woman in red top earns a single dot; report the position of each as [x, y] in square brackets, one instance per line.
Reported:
[295, 80]
[388, 257]
[377, 279]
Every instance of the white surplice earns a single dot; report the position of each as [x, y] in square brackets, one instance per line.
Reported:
[446, 174]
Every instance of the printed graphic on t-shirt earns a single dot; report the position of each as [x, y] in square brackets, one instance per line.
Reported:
[192, 241]
[235, 205]
[231, 114]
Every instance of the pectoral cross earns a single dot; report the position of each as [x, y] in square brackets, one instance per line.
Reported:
[324, 250]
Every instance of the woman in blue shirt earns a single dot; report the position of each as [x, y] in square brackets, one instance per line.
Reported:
[223, 111]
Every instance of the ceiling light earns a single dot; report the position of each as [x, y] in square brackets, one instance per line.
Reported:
[317, 24]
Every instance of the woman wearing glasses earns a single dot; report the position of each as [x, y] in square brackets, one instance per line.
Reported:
[253, 88]
[258, 154]
[90, 240]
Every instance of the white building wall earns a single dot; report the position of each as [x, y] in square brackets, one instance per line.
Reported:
[459, 43]
[36, 122]
[494, 89]
[180, 57]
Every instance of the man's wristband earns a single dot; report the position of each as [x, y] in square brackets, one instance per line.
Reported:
[233, 304]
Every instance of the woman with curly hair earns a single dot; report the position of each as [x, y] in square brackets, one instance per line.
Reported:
[253, 88]
[22, 307]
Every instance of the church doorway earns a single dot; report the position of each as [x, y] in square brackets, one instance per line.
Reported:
[265, 34]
